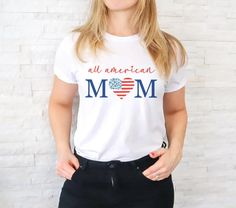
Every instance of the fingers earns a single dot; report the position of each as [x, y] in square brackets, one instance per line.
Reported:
[151, 171]
[66, 168]
[69, 168]
[63, 173]
[158, 168]
[158, 152]
[162, 173]
[157, 165]
[160, 177]
[75, 162]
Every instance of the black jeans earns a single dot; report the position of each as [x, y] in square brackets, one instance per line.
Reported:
[115, 184]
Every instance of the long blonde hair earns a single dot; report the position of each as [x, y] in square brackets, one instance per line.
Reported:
[162, 46]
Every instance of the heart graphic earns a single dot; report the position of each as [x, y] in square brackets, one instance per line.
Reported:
[121, 87]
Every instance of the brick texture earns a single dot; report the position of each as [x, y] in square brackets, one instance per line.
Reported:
[29, 34]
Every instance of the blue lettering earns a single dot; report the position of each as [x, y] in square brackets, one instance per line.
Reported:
[95, 92]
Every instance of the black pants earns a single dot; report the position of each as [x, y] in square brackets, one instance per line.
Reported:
[115, 184]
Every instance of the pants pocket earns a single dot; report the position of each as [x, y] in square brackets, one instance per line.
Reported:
[143, 177]
[79, 170]
[140, 168]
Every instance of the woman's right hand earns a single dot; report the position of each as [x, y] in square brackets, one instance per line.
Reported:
[66, 164]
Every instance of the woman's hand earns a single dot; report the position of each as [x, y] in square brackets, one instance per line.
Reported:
[164, 166]
[66, 164]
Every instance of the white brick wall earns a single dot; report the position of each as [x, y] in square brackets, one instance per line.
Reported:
[29, 34]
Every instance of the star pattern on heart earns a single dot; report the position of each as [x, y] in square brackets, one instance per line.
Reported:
[121, 87]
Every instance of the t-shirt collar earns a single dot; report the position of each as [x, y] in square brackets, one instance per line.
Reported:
[109, 36]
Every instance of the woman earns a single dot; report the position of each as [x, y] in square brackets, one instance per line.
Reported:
[131, 79]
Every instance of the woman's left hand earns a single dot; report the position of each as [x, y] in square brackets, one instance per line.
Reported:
[163, 167]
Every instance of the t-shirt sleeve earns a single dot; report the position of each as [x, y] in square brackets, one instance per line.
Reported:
[178, 77]
[177, 80]
[63, 61]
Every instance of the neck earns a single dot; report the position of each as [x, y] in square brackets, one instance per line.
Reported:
[119, 23]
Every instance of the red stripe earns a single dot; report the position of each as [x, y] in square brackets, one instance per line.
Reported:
[127, 84]
[122, 91]
[126, 88]
[127, 81]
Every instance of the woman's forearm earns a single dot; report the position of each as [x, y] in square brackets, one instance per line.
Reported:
[60, 120]
[176, 123]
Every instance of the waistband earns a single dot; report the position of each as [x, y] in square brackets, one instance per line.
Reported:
[114, 163]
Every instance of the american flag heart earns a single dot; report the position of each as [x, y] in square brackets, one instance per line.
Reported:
[121, 87]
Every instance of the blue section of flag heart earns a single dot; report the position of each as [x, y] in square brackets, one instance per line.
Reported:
[115, 83]
[121, 87]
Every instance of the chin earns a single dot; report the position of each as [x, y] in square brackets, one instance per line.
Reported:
[117, 5]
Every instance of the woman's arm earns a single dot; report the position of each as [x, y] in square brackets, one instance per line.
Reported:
[176, 122]
[60, 112]
[60, 116]
[175, 119]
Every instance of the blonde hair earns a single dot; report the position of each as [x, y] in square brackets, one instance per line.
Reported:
[163, 47]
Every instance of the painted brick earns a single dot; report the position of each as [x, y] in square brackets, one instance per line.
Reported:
[30, 31]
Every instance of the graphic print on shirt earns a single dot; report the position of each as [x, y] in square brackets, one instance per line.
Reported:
[121, 87]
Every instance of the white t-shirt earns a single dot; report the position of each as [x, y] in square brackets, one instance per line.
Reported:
[120, 114]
